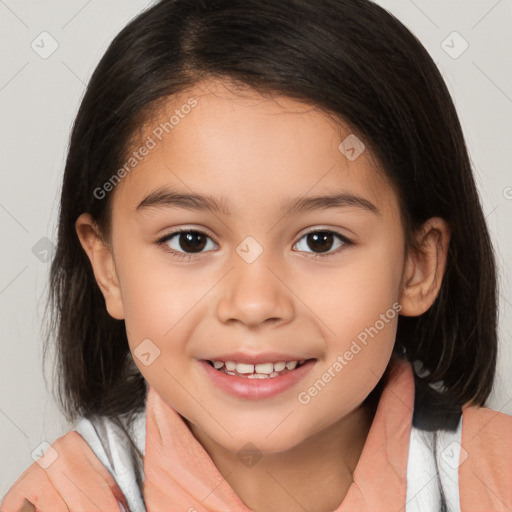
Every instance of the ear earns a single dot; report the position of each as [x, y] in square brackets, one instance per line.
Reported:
[102, 262]
[424, 267]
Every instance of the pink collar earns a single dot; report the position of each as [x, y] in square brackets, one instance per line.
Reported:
[179, 471]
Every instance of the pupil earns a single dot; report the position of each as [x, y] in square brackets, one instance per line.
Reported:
[323, 239]
[195, 242]
[192, 242]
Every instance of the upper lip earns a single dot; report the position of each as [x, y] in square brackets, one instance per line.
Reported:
[262, 357]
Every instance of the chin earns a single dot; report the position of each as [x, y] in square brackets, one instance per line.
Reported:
[258, 442]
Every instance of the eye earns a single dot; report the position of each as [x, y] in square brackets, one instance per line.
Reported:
[189, 240]
[324, 240]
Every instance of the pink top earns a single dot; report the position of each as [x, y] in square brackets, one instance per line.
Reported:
[179, 470]
[180, 475]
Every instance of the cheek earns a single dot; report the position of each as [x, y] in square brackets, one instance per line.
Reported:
[151, 287]
[159, 304]
[351, 296]
[156, 299]
[358, 305]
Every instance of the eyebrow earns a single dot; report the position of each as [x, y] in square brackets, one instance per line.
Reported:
[164, 197]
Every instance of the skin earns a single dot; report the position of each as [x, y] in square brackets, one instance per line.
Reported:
[255, 152]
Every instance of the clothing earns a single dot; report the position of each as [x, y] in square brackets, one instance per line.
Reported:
[180, 475]
[113, 449]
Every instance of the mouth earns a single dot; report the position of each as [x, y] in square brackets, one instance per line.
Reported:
[256, 381]
[257, 371]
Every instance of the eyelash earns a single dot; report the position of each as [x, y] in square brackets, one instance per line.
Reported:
[192, 256]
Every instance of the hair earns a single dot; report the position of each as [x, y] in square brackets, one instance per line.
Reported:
[351, 59]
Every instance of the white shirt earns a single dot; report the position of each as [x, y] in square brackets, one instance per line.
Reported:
[113, 449]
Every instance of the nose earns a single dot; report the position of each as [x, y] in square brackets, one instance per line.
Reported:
[254, 294]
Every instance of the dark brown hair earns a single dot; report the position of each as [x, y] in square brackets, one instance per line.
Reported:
[348, 57]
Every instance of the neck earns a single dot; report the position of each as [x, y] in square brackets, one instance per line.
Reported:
[314, 475]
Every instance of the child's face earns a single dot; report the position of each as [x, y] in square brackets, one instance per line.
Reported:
[256, 155]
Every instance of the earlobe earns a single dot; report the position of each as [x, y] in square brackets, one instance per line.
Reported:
[102, 262]
[424, 268]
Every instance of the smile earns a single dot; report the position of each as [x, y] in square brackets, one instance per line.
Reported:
[256, 371]
[256, 382]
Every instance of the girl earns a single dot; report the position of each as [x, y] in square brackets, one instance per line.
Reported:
[274, 287]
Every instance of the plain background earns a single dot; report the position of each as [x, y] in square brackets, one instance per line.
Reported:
[39, 98]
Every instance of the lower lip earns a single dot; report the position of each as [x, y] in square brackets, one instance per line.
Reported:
[256, 389]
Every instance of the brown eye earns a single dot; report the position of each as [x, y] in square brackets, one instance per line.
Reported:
[322, 241]
[191, 241]
[186, 242]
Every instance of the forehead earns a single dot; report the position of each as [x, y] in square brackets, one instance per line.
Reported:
[233, 142]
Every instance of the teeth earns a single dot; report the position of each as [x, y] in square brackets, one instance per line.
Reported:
[267, 368]
[244, 368]
[260, 370]
[258, 376]
[262, 375]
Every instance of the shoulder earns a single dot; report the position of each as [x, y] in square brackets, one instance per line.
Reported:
[51, 481]
[120, 446]
[481, 425]
[487, 440]
[486, 459]
[112, 436]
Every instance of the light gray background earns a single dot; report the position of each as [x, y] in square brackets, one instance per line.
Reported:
[39, 99]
